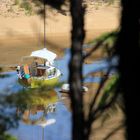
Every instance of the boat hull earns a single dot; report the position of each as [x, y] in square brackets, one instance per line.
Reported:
[45, 82]
[36, 83]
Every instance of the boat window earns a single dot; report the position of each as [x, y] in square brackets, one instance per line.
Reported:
[51, 72]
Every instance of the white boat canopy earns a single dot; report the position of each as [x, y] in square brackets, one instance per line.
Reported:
[44, 54]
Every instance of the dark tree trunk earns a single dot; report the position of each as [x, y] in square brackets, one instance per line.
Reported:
[75, 66]
[129, 51]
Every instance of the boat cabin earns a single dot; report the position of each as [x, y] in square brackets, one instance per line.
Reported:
[38, 64]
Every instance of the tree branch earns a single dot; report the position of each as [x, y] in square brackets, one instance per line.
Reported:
[99, 42]
[99, 89]
[114, 131]
[97, 113]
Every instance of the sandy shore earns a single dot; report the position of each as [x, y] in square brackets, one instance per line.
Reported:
[21, 35]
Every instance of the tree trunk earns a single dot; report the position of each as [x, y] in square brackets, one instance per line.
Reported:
[75, 66]
[129, 51]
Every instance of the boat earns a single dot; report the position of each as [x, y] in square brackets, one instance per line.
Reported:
[38, 69]
[41, 70]
[66, 88]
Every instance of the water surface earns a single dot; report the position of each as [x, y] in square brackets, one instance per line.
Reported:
[61, 129]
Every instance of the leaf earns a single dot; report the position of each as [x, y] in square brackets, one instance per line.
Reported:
[108, 90]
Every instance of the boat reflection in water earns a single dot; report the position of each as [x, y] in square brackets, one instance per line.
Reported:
[37, 114]
[36, 109]
[37, 106]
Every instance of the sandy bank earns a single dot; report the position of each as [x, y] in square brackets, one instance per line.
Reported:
[20, 35]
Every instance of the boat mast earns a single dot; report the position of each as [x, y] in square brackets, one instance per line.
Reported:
[44, 25]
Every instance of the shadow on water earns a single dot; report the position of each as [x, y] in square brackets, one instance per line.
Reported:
[45, 118]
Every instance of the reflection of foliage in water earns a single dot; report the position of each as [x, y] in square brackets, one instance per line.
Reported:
[7, 117]
[3, 75]
[41, 96]
[43, 99]
[7, 137]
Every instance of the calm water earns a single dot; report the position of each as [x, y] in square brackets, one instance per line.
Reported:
[61, 128]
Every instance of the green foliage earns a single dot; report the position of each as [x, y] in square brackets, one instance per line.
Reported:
[37, 3]
[109, 89]
[17, 2]
[106, 38]
[110, 2]
[27, 6]
[108, 93]
[106, 42]
[7, 137]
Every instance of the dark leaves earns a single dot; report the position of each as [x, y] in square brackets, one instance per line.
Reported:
[54, 3]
